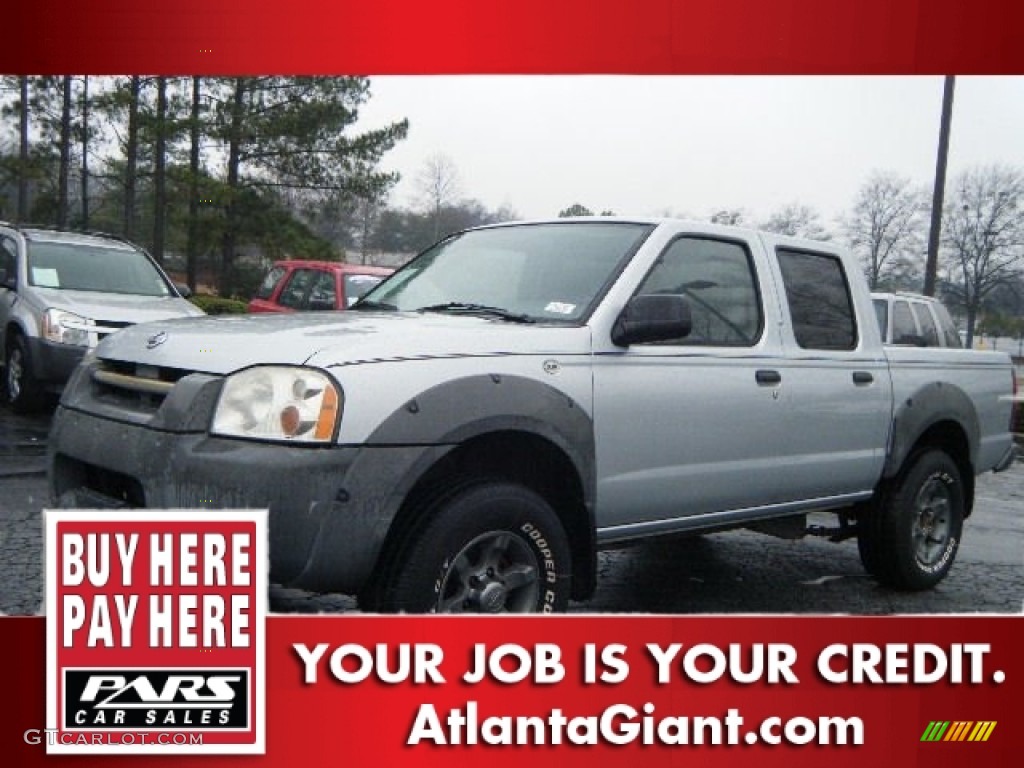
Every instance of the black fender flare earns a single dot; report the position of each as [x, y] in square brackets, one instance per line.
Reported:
[416, 437]
[932, 404]
[454, 412]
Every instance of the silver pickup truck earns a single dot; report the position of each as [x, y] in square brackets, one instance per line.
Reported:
[520, 396]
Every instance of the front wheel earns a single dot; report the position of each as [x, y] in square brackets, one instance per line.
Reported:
[21, 390]
[490, 547]
[911, 537]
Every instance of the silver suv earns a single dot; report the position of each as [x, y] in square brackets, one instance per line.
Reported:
[61, 293]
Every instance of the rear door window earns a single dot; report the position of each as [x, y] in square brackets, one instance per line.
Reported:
[929, 332]
[949, 334]
[904, 329]
[819, 300]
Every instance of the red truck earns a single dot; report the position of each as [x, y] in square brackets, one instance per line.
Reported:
[296, 285]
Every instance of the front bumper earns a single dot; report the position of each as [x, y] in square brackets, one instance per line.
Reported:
[52, 364]
[330, 508]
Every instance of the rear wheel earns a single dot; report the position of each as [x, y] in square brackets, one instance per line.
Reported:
[489, 547]
[21, 389]
[909, 540]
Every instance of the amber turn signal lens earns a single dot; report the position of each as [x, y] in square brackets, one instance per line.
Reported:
[328, 415]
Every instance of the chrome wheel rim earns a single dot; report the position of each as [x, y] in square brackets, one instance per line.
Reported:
[932, 521]
[497, 572]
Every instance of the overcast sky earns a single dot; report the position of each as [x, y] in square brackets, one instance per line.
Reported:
[651, 145]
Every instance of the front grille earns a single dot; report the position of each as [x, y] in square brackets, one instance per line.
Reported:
[134, 386]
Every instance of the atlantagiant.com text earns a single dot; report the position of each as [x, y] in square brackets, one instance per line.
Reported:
[625, 724]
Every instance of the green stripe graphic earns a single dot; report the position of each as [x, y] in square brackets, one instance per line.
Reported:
[935, 730]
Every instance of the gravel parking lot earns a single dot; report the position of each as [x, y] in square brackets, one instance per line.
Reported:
[735, 572]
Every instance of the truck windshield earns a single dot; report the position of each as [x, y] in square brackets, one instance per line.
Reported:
[87, 267]
[544, 272]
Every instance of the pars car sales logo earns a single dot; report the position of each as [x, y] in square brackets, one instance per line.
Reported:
[155, 631]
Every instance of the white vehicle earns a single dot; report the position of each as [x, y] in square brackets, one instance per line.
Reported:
[913, 319]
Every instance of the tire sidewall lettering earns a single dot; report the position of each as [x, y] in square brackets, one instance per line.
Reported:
[547, 557]
[943, 562]
[949, 552]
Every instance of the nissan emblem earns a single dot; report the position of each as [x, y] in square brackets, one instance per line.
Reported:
[156, 340]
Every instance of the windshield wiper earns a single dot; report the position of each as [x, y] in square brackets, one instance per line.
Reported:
[463, 308]
[369, 304]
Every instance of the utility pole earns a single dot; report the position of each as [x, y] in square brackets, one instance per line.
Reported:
[932, 265]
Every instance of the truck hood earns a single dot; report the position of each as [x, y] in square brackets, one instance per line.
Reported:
[117, 307]
[224, 344]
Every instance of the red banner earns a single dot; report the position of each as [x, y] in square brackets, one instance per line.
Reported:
[570, 690]
[423, 691]
[529, 37]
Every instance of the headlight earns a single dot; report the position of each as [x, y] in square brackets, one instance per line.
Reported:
[279, 403]
[66, 327]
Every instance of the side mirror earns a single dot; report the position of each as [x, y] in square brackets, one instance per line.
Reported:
[6, 280]
[653, 317]
[320, 305]
[184, 290]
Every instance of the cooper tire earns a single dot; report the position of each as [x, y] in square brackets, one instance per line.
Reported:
[911, 538]
[489, 547]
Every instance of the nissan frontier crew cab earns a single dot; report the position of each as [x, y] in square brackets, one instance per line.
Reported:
[520, 396]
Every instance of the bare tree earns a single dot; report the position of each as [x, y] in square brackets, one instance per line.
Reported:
[983, 235]
[732, 217]
[796, 220]
[886, 226]
[439, 186]
[368, 209]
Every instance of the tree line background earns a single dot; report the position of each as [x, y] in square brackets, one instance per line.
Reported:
[218, 176]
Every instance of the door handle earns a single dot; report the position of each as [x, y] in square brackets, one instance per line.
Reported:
[768, 378]
[862, 377]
